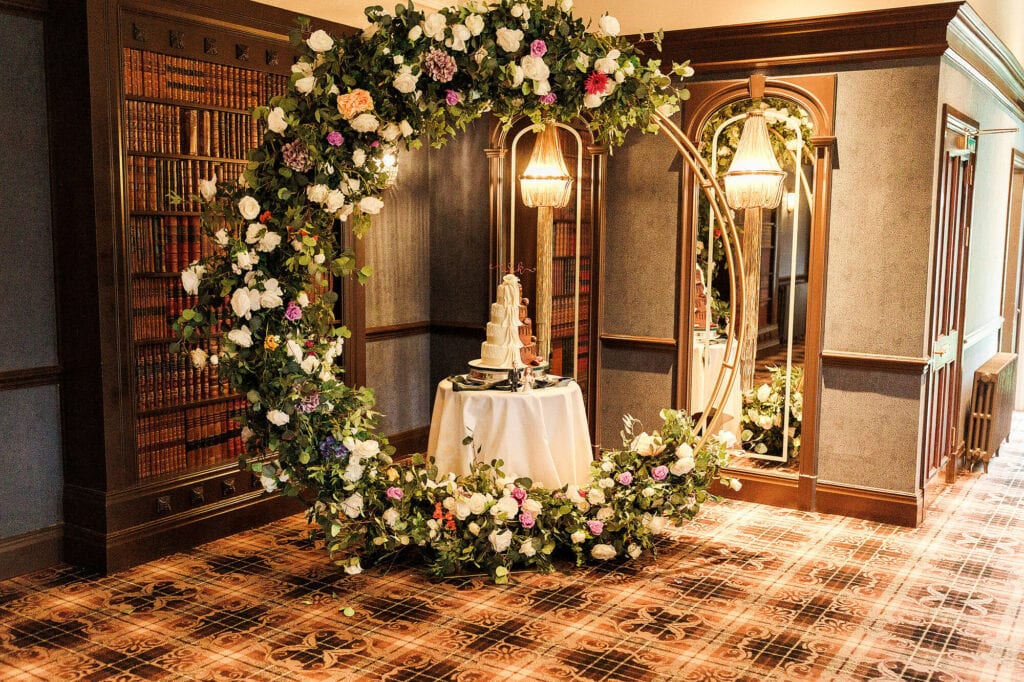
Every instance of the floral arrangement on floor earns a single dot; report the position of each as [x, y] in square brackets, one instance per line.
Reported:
[326, 156]
[763, 414]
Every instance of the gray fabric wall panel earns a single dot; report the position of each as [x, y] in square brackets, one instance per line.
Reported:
[881, 216]
[30, 458]
[398, 248]
[869, 429]
[398, 370]
[633, 382]
[642, 238]
[28, 319]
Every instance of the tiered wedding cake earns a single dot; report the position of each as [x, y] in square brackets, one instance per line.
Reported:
[510, 341]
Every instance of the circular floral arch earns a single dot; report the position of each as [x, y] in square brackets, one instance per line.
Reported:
[351, 104]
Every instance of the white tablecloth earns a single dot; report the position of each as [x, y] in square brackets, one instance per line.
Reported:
[704, 374]
[541, 434]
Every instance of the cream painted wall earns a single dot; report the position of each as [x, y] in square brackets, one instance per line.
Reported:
[1005, 17]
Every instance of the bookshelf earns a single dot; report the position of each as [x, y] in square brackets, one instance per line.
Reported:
[146, 99]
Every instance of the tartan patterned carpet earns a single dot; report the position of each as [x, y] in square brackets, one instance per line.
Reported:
[745, 592]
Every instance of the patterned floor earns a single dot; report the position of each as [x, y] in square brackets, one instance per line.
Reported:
[744, 593]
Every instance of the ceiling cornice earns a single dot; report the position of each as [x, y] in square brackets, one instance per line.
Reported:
[973, 44]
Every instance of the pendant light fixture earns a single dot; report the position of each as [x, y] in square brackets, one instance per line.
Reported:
[546, 180]
[754, 179]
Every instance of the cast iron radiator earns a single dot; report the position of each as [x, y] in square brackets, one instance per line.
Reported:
[991, 407]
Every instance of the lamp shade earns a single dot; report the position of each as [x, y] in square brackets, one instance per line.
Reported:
[754, 179]
[546, 180]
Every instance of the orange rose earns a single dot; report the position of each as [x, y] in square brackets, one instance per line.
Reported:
[354, 103]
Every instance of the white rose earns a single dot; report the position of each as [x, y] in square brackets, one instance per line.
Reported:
[276, 120]
[607, 466]
[305, 68]
[460, 34]
[269, 483]
[527, 548]
[505, 508]
[533, 506]
[317, 193]
[248, 207]
[305, 85]
[578, 537]
[475, 24]
[364, 123]
[647, 445]
[199, 357]
[190, 279]
[241, 303]
[208, 188]
[461, 509]
[478, 503]
[735, 484]
[271, 296]
[509, 39]
[603, 552]
[565, 5]
[354, 568]
[269, 242]
[221, 237]
[582, 61]
[319, 41]
[595, 496]
[649, 492]
[620, 76]
[335, 200]
[405, 128]
[541, 88]
[390, 132]
[277, 417]
[414, 33]
[390, 517]
[371, 205]
[764, 392]
[366, 448]
[606, 483]
[608, 63]
[310, 364]
[765, 421]
[682, 466]
[592, 101]
[500, 540]
[605, 513]
[214, 360]
[353, 505]
[358, 159]
[534, 68]
[246, 259]
[253, 232]
[657, 524]
[517, 75]
[609, 25]
[303, 300]
[295, 350]
[405, 81]
[353, 471]
[474, 528]
[434, 25]
[633, 550]
[242, 182]
[241, 337]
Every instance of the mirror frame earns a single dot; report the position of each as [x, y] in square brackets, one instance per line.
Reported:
[816, 94]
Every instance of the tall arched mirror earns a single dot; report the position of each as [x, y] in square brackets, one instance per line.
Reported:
[768, 141]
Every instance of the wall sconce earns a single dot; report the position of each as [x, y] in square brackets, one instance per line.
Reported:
[389, 166]
[754, 179]
[790, 201]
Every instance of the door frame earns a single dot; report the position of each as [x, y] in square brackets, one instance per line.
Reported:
[1009, 336]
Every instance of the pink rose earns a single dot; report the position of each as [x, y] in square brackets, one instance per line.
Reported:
[394, 493]
[519, 494]
[659, 473]
[538, 48]
[548, 98]
[595, 527]
[335, 139]
[293, 312]
[625, 478]
[526, 519]
[452, 98]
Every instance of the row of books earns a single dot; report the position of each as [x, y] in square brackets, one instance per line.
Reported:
[167, 380]
[148, 74]
[152, 182]
[157, 303]
[169, 129]
[166, 243]
[563, 277]
[565, 240]
[188, 439]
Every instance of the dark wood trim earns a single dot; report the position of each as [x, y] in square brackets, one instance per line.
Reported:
[874, 362]
[884, 506]
[764, 488]
[599, 184]
[34, 9]
[397, 331]
[1008, 343]
[31, 551]
[411, 441]
[456, 328]
[26, 378]
[899, 33]
[638, 342]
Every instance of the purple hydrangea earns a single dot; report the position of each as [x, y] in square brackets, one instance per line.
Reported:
[330, 447]
[309, 403]
[296, 156]
[440, 65]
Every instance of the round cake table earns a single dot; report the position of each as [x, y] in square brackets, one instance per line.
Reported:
[541, 434]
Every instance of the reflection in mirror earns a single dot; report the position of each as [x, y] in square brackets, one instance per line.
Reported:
[766, 407]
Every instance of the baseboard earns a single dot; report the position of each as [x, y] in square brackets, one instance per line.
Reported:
[411, 441]
[771, 489]
[31, 551]
[884, 506]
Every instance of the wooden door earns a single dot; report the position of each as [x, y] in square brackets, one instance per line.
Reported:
[943, 427]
